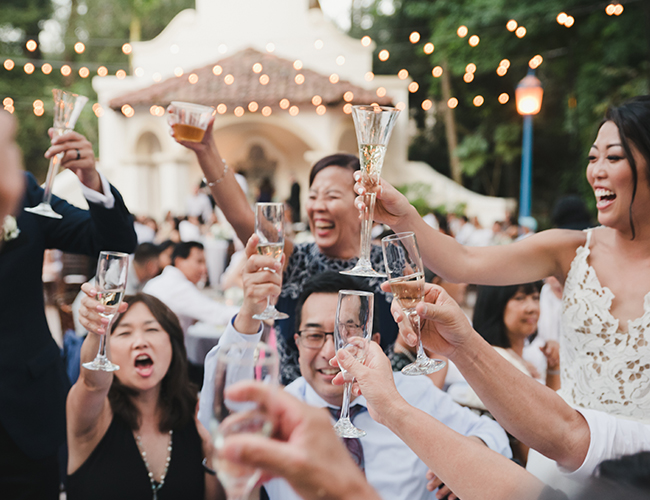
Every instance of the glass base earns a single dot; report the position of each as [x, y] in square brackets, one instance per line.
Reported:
[345, 429]
[270, 313]
[101, 363]
[364, 270]
[44, 209]
[424, 366]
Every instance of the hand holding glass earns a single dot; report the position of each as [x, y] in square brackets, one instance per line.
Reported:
[406, 279]
[352, 332]
[373, 125]
[235, 363]
[67, 108]
[110, 281]
[269, 227]
[189, 121]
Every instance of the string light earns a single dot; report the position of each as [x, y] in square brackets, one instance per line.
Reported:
[257, 68]
[334, 78]
[403, 74]
[253, 106]
[437, 72]
[366, 41]
[193, 78]
[316, 100]
[414, 37]
[102, 71]
[384, 55]
[84, 72]
[511, 25]
[120, 74]
[264, 79]
[401, 106]
[569, 21]
[299, 79]
[614, 9]
[535, 62]
[452, 102]
[505, 63]
[284, 103]
[297, 65]
[31, 45]
[520, 32]
[381, 92]
[348, 96]
[503, 98]
[478, 101]
[293, 110]
[46, 68]
[127, 111]
[468, 77]
[502, 70]
[426, 104]
[470, 68]
[29, 68]
[217, 70]
[66, 70]
[369, 76]
[178, 71]
[222, 108]
[462, 31]
[474, 40]
[239, 111]
[98, 110]
[618, 10]
[7, 101]
[79, 47]
[561, 18]
[413, 87]
[127, 48]
[139, 72]
[347, 108]
[228, 79]
[9, 64]
[340, 60]
[266, 111]
[318, 44]
[428, 48]
[320, 110]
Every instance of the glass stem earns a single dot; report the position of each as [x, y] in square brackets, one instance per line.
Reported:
[51, 174]
[366, 226]
[414, 318]
[101, 353]
[345, 406]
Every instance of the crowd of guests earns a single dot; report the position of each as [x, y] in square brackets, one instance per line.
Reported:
[558, 367]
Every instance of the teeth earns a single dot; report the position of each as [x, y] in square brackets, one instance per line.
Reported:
[600, 192]
[142, 357]
[323, 225]
[330, 371]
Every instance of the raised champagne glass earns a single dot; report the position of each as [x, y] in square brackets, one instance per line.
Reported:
[235, 363]
[269, 227]
[406, 279]
[373, 125]
[352, 332]
[110, 281]
[67, 108]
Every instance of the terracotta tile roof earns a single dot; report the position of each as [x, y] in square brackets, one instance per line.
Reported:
[211, 89]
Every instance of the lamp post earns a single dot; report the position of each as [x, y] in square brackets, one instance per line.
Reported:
[528, 96]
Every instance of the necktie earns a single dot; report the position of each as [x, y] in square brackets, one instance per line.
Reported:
[352, 444]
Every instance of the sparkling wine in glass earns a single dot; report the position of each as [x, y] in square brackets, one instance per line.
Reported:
[110, 281]
[352, 332]
[373, 125]
[235, 363]
[406, 279]
[67, 108]
[269, 227]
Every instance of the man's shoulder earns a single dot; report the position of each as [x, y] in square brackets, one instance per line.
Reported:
[297, 388]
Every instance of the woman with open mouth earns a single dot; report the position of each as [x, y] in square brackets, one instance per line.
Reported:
[133, 433]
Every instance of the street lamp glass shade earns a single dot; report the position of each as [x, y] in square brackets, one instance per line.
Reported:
[529, 95]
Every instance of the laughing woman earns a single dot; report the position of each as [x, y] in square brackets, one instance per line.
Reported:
[133, 433]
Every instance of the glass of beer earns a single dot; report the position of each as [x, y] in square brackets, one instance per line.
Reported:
[189, 121]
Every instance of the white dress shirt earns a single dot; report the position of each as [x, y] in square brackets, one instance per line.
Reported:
[186, 300]
[391, 467]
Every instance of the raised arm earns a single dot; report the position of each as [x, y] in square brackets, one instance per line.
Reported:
[470, 469]
[87, 408]
[530, 411]
[548, 253]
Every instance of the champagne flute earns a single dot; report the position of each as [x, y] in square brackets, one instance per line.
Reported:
[406, 279]
[110, 280]
[67, 108]
[235, 363]
[373, 125]
[352, 332]
[269, 227]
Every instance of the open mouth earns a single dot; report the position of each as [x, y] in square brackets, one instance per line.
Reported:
[322, 225]
[144, 364]
[604, 196]
[329, 372]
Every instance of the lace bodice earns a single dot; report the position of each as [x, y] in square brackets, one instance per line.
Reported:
[602, 368]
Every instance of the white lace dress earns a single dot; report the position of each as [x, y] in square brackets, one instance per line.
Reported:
[602, 368]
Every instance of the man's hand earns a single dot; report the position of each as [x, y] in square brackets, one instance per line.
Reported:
[304, 449]
[78, 156]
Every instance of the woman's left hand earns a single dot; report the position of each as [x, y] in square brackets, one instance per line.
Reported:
[78, 156]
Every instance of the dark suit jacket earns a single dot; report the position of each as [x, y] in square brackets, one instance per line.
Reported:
[33, 382]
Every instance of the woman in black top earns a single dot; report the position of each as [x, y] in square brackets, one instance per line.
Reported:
[132, 433]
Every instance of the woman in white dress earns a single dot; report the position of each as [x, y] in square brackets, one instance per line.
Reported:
[604, 355]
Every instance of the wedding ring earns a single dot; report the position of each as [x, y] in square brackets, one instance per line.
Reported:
[78, 155]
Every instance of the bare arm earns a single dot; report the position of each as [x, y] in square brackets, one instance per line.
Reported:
[467, 467]
[548, 253]
[530, 411]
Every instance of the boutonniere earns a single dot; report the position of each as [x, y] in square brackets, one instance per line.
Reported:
[10, 229]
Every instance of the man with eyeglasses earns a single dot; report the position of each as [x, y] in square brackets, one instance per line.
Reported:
[390, 466]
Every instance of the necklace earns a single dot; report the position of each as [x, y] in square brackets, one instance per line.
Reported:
[155, 485]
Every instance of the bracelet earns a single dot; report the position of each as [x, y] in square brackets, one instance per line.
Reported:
[207, 469]
[213, 183]
[552, 372]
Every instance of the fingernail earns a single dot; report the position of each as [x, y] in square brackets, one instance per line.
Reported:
[411, 338]
[101, 331]
[343, 355]
[277, 266]
[396, 317]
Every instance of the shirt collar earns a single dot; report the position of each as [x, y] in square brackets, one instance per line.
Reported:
[311, 397]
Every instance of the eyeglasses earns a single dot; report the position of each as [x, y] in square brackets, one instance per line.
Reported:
[312, 338]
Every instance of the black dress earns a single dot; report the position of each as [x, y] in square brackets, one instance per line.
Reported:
[115, 470]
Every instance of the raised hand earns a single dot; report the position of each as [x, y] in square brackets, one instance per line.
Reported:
[78, 156]
[90, 308]
[391, 205]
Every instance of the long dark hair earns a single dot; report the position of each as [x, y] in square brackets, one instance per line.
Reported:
[491, 304]
[343, 160]
[632, 119]
[178, 398]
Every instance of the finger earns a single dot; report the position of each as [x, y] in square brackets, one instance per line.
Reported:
[68, 137]
[251, 245]
[443, 491]
[385, 286]
[89, 289]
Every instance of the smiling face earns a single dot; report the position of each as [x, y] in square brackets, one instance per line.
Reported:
[333, 218]
[319, 313]
[141, 348]
[521, 314]
[610, 175]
